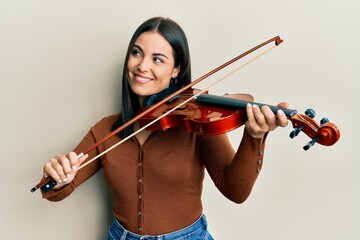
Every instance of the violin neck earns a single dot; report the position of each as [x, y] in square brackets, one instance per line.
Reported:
[234, 103]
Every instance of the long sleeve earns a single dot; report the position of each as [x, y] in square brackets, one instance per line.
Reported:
[142, 177]
[82, 175]
[234, 173]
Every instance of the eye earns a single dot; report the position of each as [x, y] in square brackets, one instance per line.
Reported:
[158, 60]
[135, 52]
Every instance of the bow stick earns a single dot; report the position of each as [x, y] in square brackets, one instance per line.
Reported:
[48, 183]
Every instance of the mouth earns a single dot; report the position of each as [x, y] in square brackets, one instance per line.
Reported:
[142, 79]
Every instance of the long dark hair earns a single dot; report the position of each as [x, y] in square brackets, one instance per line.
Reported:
[176, 37]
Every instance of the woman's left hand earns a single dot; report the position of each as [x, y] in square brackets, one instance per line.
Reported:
[262, 120]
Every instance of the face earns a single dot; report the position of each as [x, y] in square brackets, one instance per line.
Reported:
[151, 65]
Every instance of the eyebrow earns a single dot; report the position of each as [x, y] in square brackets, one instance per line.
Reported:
[154, 54]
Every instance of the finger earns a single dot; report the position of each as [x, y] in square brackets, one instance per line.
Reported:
[61, 165]
[259, 116]
[66, 169]
[83, 158]
[283, 105]
[74, 161]
[270, 118]
[281, 118]
[249, 112]
[45, 174]
[250, 117]
[50, 171]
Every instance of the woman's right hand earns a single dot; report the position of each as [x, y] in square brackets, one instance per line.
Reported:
[63, 168]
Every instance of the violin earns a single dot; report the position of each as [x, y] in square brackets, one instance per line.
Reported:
[211, 115]
[206, 114]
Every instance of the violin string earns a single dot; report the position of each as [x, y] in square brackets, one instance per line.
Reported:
[175, 108]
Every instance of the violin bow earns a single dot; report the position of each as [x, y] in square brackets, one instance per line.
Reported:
[48, 183]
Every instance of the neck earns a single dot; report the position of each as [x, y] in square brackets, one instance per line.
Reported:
[141, 100]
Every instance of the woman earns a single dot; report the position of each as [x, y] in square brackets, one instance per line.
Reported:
[156, 177]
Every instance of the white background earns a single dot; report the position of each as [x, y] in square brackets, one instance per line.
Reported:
[60, 68]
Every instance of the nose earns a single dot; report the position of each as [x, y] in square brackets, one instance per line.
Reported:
[144, 65]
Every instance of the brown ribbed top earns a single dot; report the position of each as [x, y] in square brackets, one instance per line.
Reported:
[157, 186]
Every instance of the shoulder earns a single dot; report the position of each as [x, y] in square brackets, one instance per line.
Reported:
[104, 125]
[108, 119]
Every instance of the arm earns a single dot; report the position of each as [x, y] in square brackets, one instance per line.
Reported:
[64, 167]
[234, 174]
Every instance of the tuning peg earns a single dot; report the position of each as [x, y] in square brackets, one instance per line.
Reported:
[310, 144]
[310, 113]
[323, 121]
[296, 131]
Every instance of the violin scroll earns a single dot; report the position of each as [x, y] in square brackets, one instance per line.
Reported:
[325, 133]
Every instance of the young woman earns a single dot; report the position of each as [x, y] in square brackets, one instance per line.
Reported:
[156, 177]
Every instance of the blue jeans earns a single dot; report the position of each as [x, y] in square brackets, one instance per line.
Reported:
[196, 231]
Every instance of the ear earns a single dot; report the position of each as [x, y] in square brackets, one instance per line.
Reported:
[175, 72]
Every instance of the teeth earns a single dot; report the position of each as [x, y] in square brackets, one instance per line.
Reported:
[142, 79]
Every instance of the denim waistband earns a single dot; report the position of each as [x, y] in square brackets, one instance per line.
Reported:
[122, 234]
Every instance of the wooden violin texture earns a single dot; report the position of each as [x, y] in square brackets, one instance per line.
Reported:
[211, 115]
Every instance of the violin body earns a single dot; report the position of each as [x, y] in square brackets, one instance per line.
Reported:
[195, 117]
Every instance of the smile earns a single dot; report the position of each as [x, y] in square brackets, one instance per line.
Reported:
[141, 79]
